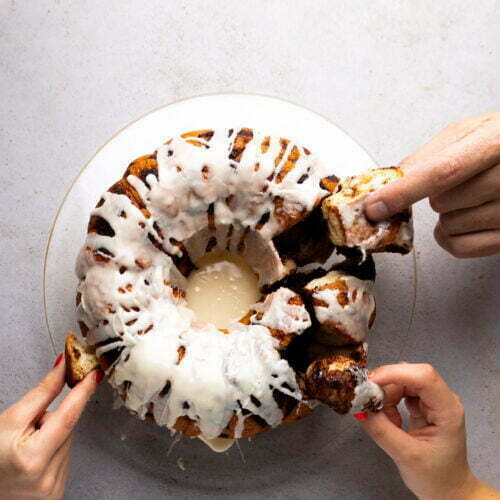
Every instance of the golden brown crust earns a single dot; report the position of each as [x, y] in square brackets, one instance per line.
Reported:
[205, 134]
[328, 380]
[243, 137]
[329, 183]
[316, 351]
[333, 333]
[125, 188]
[292, 409]
[80, 360]
[289, 164]
[337, 231]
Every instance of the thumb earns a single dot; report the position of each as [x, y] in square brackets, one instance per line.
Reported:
[434, 176]
[388, 436]
[456, 164]
[395, 197]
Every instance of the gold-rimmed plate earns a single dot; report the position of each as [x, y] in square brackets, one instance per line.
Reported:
[278, 451]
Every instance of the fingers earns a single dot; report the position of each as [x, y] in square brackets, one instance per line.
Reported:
[36, 401]
[468, 220]
[417, 418]
[63, 453]
[419, 380]
[478, 244]
[452, 133]
[480, 189]
[413, 406]
[433, 147]
[42, 420]
[62, 421]
[452, 166]
[388, 436]
[392, 396]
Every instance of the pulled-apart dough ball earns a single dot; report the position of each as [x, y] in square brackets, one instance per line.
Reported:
[344, 307]
[339, 382]
[348, 225]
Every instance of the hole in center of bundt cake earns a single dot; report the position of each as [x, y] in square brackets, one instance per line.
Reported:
[222, 288]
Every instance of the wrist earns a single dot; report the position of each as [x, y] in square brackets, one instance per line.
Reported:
[464, 489]
[470, 489]
[483, 491]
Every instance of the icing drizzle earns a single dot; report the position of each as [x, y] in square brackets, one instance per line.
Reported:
[162, 361]
[345, 301]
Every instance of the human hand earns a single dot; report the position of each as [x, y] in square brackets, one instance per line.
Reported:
[459, 171]
[34, 443]
[431, 456]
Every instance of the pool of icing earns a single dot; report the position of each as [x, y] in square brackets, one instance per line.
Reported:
[222, 289]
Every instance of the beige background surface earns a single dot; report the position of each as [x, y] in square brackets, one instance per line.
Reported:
[390, 73]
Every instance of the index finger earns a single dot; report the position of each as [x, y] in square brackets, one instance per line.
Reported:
[420, 380]
[454, 165]
[64, 419]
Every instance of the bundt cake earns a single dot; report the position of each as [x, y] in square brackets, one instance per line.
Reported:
[260, 197]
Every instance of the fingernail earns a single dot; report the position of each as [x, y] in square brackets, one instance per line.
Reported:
[99, 376]
[370, 374]
[58, 360]
[361, 416]
[377, 211]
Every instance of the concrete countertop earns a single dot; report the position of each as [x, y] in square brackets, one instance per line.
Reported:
[390, 73]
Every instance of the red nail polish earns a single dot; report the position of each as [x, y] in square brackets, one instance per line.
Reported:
[99, 376]
[58, 360]
[361, 416]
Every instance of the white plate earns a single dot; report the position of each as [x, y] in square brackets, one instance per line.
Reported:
[278, 450]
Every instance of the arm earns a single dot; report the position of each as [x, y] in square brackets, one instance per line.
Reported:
[459, 171]
[431, 456]
[34, 443]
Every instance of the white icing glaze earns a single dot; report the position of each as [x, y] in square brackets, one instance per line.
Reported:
[367, 394]
[217, 371]
[222, 291]
[131, 301]
[179, 200]
[354, 317]
[219, 445]
[350, 213]
[405, 234]
[279, 314]
[353, 220]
